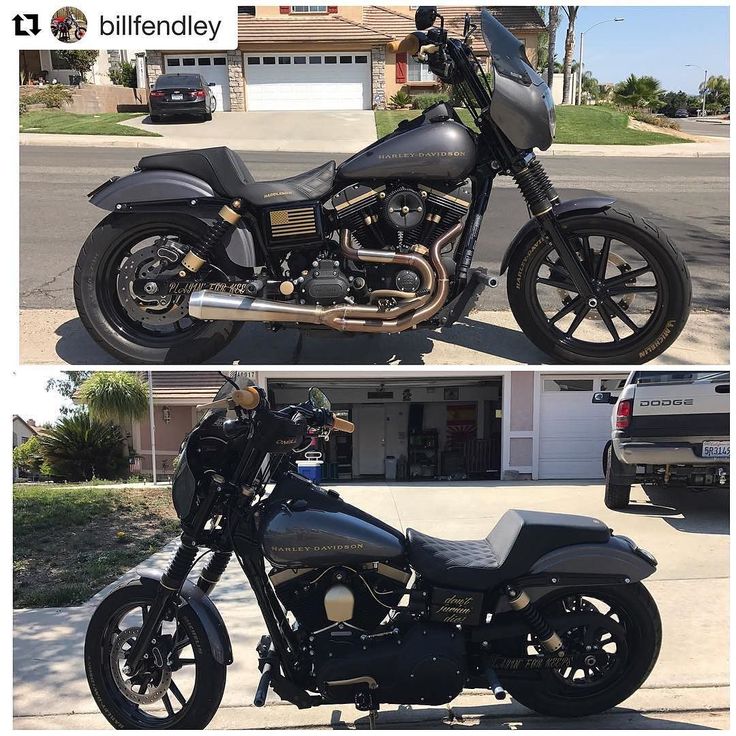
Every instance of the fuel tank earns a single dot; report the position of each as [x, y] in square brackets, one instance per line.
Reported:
[425, 150]
[306, 526]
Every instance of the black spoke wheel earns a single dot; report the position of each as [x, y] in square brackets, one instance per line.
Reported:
[640, 291]
[179, 684]
[612, 636]
[153, 330]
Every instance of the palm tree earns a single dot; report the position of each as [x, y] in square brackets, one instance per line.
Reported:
[79, 448]
[114, 396]
[554, 22]
[641, 92]
[718, 90]
[571, 11]
[590, 85]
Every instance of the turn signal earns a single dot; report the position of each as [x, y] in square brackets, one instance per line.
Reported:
[623, 414]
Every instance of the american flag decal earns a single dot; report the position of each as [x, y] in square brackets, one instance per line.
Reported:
[293, 223]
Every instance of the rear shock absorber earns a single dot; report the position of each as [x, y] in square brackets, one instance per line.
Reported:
[520, 602]
[213, 570]
[227, 218]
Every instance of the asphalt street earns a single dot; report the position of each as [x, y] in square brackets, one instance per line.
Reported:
[688, 197]
[701, 127]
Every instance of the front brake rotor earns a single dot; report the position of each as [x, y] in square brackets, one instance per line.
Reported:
[147, 263]
[157, 679]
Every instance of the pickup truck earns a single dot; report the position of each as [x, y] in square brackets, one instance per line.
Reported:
[669, 428]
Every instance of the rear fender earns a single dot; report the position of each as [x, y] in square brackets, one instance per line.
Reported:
[570, 208]
[205, 611]
[617, 558]
[159, 190]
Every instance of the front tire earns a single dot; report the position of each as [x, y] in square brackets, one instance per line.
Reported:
[562, 695]
[104, 316]
[110, 687]
[549, 312]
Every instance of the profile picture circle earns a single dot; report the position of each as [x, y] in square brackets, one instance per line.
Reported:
[68, 24]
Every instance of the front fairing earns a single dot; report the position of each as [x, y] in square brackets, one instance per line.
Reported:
[521, 105]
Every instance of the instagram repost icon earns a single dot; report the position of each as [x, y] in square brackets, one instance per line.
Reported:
[69, 24]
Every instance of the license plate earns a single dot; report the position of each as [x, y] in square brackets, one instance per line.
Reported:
[177, 98]
[717, 449]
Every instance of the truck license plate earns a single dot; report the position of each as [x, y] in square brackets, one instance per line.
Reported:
[177, 98]
[717, 449]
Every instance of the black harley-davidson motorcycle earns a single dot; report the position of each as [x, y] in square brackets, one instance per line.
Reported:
[383, 243]
[548, 608]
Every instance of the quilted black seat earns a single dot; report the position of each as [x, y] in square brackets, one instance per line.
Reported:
[517, 541]
[228, 176]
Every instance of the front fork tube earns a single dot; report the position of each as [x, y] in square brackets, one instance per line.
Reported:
[472, 229]
[520, 602]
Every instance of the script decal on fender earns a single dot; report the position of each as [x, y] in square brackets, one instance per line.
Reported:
[184, 288]
[500, 662]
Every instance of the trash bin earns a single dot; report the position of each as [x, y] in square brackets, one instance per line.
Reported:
[311, 466]
[390, 465]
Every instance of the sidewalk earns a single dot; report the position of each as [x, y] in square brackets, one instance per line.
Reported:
[688, 687]
[57, 336]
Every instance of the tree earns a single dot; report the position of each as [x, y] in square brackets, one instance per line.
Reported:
[67, 387]
[552, 25]
[124, 73]
[80, 61]
[27, 457]
[114, 396]
[571, 11]
[718, 92]
[78, 448]
[639, 92]
[591, 86]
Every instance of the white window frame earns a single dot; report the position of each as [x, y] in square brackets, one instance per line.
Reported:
[310, 9]
[412, 66]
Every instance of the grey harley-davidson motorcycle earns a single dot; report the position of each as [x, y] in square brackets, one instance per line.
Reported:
[548, 608]
[383, 243]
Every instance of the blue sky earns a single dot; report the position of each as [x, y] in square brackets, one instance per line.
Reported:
[652, 40]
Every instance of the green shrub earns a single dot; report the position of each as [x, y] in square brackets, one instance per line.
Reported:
[422, 102]
[659, 120]
[124, 74]
[401, 99]
[52, 96]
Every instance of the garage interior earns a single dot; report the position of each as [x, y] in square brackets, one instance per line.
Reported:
[408, 429]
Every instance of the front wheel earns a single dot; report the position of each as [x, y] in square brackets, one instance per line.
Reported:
[127, 248]
[180, 684]
[639, 279]
[611, 642]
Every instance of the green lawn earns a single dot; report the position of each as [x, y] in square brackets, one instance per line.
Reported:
[582, 125]
[59, 121]
[68, 543]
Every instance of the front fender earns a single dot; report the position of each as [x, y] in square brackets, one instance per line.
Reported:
[205, 610]
[149, 186]
[570, 208]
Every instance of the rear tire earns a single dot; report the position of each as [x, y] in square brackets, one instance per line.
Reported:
[546, 695]
[155, 118]
[617, 494]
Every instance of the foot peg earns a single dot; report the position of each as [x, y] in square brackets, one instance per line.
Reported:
[495, 685]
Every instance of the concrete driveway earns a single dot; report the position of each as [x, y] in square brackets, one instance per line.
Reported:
[689, 534]
[338, 131]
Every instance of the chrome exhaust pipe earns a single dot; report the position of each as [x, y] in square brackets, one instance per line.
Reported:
[213, 305]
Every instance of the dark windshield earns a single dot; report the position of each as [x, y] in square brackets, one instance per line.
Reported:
[169, 81]
[506, 51]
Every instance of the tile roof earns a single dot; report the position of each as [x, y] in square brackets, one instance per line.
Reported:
[196, 387]
[305, 29]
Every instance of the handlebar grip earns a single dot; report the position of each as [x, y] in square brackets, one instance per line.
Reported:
[410, 45]
[342, 425]
[247, 398]
[221, 404]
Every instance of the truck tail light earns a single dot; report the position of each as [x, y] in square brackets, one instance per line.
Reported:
[623, 414]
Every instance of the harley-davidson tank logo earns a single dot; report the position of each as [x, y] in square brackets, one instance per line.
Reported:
[321, 548]
[423, 154]
[276, 194]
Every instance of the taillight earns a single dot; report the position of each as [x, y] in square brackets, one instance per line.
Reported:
[200, 94]
[623, 414]
[157, 93]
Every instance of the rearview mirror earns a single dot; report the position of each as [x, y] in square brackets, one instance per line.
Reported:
[604, 397]
[425, 17]
[318, 399]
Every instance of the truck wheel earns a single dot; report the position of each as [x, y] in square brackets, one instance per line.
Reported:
[617, 494]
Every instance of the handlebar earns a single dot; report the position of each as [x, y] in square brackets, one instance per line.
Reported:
[409, 44]
[245, 398]
[342, 425]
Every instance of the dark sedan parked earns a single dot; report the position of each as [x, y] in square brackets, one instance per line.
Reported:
[181, 94]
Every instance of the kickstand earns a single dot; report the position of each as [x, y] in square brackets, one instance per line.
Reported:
[372, 716]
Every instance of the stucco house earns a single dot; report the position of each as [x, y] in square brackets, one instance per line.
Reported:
[23, 430]
[326, 57]
[443, 424]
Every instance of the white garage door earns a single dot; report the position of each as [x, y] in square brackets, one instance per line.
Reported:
[572, 430]
[212, 68]
[284, 81]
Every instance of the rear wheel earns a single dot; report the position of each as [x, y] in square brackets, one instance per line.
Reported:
[126, 248]
[640, 283]
[155, 118]
[617, 494]
[179, 686]
[608, 658]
